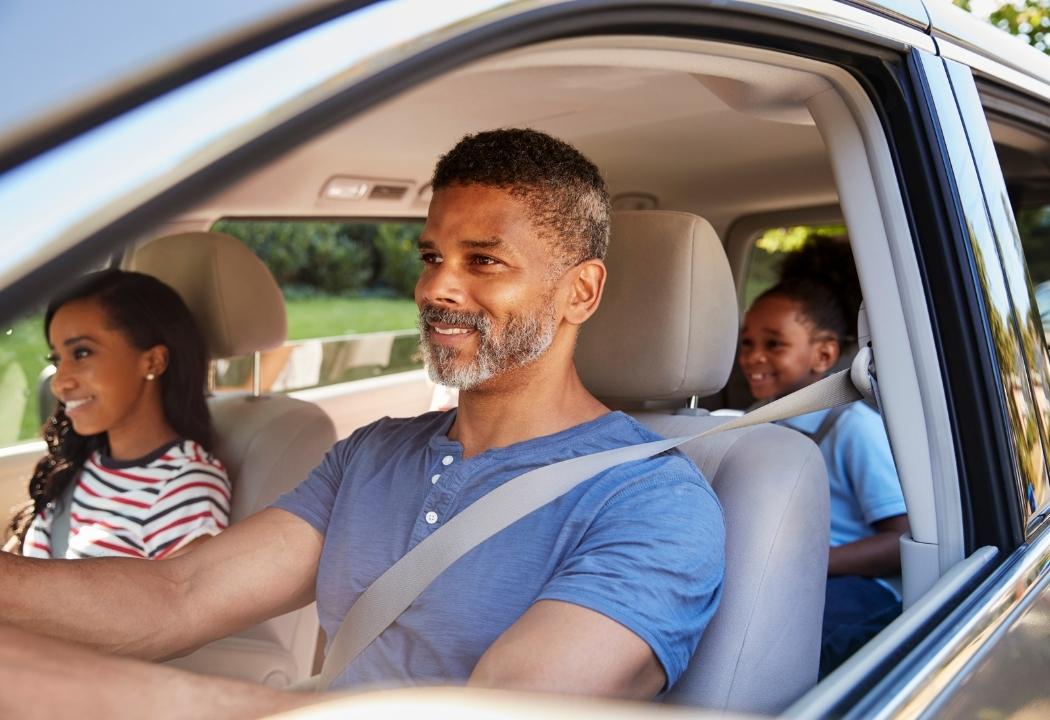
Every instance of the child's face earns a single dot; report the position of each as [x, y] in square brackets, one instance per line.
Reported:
[779, 351]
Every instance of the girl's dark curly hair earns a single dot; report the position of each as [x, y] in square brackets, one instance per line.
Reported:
[822, 279]
[149, 313]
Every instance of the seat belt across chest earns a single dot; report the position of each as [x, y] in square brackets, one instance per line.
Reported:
[398, 587]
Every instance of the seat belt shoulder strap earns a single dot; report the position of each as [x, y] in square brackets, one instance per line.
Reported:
[393, 591]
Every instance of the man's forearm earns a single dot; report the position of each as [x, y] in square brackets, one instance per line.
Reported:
[42, 677]
[118, 605]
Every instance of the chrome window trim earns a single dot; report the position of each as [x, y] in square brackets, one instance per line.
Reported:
[973, 630]
[912, 12]
[839, 684]
[987, 67]
[873, 23]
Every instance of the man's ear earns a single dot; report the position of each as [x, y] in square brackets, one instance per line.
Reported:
[586, 284]
[825, 355]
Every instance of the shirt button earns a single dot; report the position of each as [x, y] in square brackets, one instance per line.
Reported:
[447, 460]
[432, 517]
[434, 479]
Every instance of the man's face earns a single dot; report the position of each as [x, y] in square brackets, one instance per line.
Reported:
[485, 296]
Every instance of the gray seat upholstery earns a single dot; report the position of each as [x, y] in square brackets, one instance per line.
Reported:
[666, 330]
[268, 444]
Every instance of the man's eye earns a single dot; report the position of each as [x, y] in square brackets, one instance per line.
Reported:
[430, 258]
[484, 260]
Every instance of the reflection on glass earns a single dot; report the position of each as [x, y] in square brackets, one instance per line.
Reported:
[304, 364]
[996, 257]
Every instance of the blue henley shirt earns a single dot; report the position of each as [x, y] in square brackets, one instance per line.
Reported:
[641, 543]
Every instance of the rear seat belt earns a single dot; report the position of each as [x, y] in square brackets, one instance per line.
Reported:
[397, 588]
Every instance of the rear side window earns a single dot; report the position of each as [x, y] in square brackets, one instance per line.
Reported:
[347, 289]
[769, 251]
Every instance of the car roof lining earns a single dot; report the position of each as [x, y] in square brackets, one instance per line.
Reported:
[634, 105]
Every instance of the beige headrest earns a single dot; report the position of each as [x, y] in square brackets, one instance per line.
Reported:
[667, 325]
[231, 293]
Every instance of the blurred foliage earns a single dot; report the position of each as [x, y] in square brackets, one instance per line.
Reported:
[311, 259]
[1028, 19]
[397, 245]
[773, 247]
[792, 239]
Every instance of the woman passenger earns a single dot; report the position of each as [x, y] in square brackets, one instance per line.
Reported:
[128, 471]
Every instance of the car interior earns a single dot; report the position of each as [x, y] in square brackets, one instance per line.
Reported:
[704, 146]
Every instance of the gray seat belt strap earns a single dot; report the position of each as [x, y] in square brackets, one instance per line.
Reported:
[826, 425]
[397, 588]
[60, 521]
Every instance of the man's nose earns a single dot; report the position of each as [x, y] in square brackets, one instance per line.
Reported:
[441, 283]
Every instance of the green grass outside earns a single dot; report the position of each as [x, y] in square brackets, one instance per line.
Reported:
[322, 317]
[23, 345]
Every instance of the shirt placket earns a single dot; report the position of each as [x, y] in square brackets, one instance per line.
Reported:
[444, 477]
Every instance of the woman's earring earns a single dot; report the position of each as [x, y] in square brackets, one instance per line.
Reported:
[150, 376]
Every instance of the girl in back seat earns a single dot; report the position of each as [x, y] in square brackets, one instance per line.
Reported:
[128, 471]
[792, 336]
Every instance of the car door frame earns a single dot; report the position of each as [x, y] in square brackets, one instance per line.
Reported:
[864, 42]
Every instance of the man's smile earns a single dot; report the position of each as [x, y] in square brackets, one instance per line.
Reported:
[450, 329]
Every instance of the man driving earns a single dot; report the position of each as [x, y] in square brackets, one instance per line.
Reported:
[603, 591]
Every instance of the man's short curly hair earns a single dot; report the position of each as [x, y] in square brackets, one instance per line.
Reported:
[563, 190]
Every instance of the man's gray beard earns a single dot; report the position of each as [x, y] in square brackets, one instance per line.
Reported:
[523, 340]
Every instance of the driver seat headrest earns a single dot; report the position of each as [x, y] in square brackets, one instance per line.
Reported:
[667, 325]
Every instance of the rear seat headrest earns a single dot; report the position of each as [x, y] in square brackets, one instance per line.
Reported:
[667, 325]
[230, 292]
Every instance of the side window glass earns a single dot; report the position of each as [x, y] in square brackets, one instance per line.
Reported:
[1022, 154]
[23, 359]
[348, 291]
[769, 251]
[1033, 225]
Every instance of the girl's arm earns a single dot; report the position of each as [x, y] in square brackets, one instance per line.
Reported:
[877, 555]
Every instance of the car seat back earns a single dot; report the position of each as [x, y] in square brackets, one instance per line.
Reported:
[666, 332]
[268, 444]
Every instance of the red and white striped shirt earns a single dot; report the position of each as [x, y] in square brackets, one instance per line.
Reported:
[145, 508]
